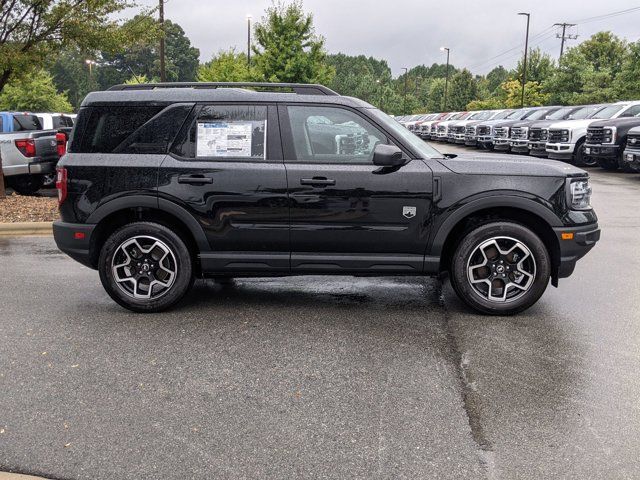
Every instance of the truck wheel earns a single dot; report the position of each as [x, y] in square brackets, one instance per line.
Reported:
[26, 184]
[580, 159]
[145, 267]
[500, 268]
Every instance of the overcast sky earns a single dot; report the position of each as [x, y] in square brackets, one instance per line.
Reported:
[410, 32]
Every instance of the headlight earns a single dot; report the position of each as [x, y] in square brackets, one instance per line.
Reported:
[544, 134]
[609, 135]
[565, 136]
[580, 194]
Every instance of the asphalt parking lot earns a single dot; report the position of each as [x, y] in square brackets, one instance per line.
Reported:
[314, 377]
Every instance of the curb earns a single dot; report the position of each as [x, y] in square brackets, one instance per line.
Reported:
[19, 229]
[17, 476]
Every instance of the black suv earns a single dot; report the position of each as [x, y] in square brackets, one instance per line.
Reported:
[164, 183]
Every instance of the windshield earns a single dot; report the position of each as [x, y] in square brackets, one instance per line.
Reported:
[502, 115]
[425, 150]
[561, 114]
[481, 115]
[517, 115]
[608, 112]
[26, 122]
[538, 114]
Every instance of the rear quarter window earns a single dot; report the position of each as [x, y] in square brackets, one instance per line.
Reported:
[127, 129]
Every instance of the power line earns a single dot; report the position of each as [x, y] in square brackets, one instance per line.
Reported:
[564, 35]
[606, 15]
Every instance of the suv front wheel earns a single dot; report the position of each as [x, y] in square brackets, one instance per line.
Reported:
[145, 267]
[500, 268]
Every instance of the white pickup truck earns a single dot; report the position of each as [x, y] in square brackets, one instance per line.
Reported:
[28, 153]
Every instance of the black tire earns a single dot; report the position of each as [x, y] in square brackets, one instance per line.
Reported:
[470, 246]
[580, 159]
[26, 184]
[179, 261]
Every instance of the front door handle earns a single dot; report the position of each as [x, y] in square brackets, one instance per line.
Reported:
[194, 179]
[317, 181]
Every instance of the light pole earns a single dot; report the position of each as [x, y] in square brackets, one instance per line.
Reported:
[406, 76]
[163, 70]
[91, 63]
[526, 51]
[249, 41]
[446, 78]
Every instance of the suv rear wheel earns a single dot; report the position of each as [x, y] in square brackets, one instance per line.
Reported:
[500, 268]
[145, 267]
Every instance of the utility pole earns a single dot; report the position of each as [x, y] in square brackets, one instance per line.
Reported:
[163, 73]
[406, 76]
[526, 52]
[564, 35]
[248, 41]
[446, 78]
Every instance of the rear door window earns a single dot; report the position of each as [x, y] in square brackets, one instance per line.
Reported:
[62, 121]
[225, 132]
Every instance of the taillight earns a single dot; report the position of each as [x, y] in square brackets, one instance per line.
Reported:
[27, 147]
[61, 184]
[61, 144]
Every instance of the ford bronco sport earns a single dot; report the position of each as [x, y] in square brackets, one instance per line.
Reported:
[164, 183]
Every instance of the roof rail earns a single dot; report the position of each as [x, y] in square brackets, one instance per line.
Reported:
[298, 88]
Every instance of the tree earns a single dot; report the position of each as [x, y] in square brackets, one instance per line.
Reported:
[587, 73]
[360, 76]
[496, 77]
[288, 50]
[142, 57]
[533, 94]
[435, 102]
[492, 103]
[463, 89]
[226, 66]
[626, 84]
[540, 66]
[31, 30]
[71, 74]
[35, 92]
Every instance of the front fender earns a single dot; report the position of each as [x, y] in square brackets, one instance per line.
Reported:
[442, 231]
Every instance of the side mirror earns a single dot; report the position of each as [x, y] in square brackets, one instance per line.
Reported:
[388, 156]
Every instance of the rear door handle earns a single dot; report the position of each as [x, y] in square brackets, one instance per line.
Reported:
[319, 181]
[194, 179]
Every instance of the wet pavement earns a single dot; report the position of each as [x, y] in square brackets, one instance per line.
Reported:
[314, 377]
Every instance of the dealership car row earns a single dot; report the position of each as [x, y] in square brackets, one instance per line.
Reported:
[607, 135]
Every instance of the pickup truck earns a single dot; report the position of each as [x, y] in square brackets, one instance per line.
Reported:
[28, 152]
[61, 122]
[631, 155]
[567, 139]
[606, 141]
[471, 130]
[519, 132]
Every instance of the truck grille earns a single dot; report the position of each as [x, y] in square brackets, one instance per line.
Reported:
[484, 130]
[633, 140]
[538, 134]
[456, 130]
[470, 131]
[555, 136]
[595, 135]
[442, 128]
[518, 133]
[501, 132]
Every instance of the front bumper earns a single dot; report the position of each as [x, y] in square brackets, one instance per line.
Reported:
[560, 151]
[519, 146]
[501, 144]
[74, 239]
[538, 149]
[631, 158]
[470, 141]
[602, 151]
[582, 239]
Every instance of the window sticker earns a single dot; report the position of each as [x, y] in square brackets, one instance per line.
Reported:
[224, 139]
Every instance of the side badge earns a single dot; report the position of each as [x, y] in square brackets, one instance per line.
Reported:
[409, 212]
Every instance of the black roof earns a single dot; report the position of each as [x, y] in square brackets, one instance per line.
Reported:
[221, 92]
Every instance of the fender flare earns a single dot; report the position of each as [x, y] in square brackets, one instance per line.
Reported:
[153, 202]
[505, 201]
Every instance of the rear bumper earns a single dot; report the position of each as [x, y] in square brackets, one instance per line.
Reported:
[573, 249]
[74, 239]
[37, 167]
